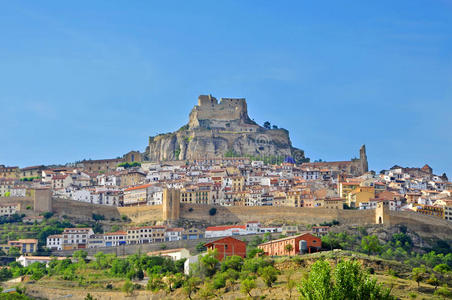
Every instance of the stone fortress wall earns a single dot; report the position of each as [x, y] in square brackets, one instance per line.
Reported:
[209, 113]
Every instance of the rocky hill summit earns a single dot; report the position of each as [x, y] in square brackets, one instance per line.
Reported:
[221, 129]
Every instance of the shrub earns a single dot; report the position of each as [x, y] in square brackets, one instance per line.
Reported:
[247, 286]
[269, 275]
[210, 263]
[213, 211]
[155, 283]
[128, 287]
[191, 286]
[219, 280]
[254, 264]
[443, 292]
[200, 247]
[232, 262]
[442, 268]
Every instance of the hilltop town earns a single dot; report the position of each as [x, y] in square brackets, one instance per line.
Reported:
[221, 177]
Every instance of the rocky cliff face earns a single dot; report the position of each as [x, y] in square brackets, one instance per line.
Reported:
[217, 129]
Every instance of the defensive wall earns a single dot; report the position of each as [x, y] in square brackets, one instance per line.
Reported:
[142, 214]
[274, 215]
[82, 210]
[198, 213]
[427, 225]
[23, 201]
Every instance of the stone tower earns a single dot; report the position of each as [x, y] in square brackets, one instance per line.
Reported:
[171, 204]
[382, 214]
[363, 159]
[42, 200]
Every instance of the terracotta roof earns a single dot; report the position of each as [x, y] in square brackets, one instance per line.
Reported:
[286, 238]
[139, 187]
[116, 233]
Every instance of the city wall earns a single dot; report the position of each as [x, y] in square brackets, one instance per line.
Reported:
[142, 214]
[82, 210]
[274, 215]
[23, 201]
[429, 225]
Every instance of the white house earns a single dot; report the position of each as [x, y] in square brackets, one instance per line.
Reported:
[8, 210]
[220, 231]
[173, 234]
[28, 260]
[55, 242]
[174, 254]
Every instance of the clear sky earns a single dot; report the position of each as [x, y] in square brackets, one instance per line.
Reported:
[94, 79]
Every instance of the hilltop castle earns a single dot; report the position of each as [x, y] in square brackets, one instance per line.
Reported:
[216, 129]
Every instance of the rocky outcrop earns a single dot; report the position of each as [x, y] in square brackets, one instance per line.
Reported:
[218, 129]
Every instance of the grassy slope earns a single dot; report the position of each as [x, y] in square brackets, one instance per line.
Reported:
[402, 286]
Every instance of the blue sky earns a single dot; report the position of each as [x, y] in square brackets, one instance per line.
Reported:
[93, 79]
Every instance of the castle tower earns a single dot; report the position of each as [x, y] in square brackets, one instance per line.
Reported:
[363, 159]
[382, 214]
[171, 204]
[42, 200]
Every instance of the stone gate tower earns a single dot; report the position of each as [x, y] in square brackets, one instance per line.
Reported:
[171, 204]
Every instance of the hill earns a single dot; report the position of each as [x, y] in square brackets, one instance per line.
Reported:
[222, 129]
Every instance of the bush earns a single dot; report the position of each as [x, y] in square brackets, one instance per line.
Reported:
[232, 262]
[252, 265]
[219, 280]
[128, 287]
[200, 247]
[443, 292]
[155, 283]
[247, 286]
[98, 217]
[442, 268]
[213, 211]
[269, 275]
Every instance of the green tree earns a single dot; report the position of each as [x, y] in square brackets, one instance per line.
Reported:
[200, 247]
[14, 251]
[206, 291]
[191, 285]
[212, 211]
[348, 281]
[80, 255]
[371, 244]
[433, 280]
[247, 285]
[234, 262]
[267, 125]
[288, 248]
[89, 297]
[291, 283]
[442, 268]
[269, 275]
[443, 292]
[155, 283]
[317, 286]
[417, 274]
[128, 287]
[210, 263]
